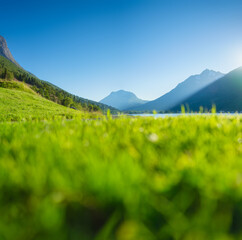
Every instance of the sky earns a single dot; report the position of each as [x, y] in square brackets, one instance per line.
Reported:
[93, 47]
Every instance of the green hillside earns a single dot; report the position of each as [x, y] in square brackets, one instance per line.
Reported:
[19, 102]
[9, 71]
[14, 84]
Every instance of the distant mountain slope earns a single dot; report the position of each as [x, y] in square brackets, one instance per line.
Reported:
[5, 52]
[122, 100]
[225, 93]
[183, 90]
[10, 69]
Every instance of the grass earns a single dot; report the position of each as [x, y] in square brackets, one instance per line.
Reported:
[20, 103]
[14, 84]
[124, 179]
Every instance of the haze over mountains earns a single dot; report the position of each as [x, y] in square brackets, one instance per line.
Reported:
[183, 90]
[203, 90]
[122, 100]
[225, 94]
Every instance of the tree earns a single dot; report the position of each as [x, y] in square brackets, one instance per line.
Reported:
[67, 102]
[90, 107]
[8, 75]
[96, 108]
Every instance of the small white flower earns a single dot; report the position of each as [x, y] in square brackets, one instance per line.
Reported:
[86, 143]
[153, 137]
[105, 135]
[57, 197]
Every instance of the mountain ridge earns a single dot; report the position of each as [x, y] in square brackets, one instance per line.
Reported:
[183, 90]
[225, 94]
[5, 52]
[122, 100]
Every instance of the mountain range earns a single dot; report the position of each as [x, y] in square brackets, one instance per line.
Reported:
[202, 90]
[123, 100]
[183, 90]
[225, 94]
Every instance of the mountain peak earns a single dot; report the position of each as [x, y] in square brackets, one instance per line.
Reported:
[122, 100]
[122, 92]
[224, 93]
[210, 72]
[2, 38]
[207, 71]
[182, 91]
[5, 52]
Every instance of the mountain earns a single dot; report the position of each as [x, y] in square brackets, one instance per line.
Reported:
[5, 52]
[122, 100]
[10, 70]
[183, 90]
[225, 94]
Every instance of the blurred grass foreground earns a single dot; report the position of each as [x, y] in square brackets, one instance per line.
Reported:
[124, 179]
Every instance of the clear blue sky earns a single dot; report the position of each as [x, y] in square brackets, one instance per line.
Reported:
[93, 47]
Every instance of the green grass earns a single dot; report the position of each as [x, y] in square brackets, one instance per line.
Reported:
[14, 84]
[124, 179]
[20, 103]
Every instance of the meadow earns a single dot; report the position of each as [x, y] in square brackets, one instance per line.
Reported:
[124, 178]
[18, 102]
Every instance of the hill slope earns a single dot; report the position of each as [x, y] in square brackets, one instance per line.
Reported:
[18, 102]
[225, 93]
[122, 100]
[183, 90]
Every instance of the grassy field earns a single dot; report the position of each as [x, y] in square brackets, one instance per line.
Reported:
[124, 179]
[20, 103]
